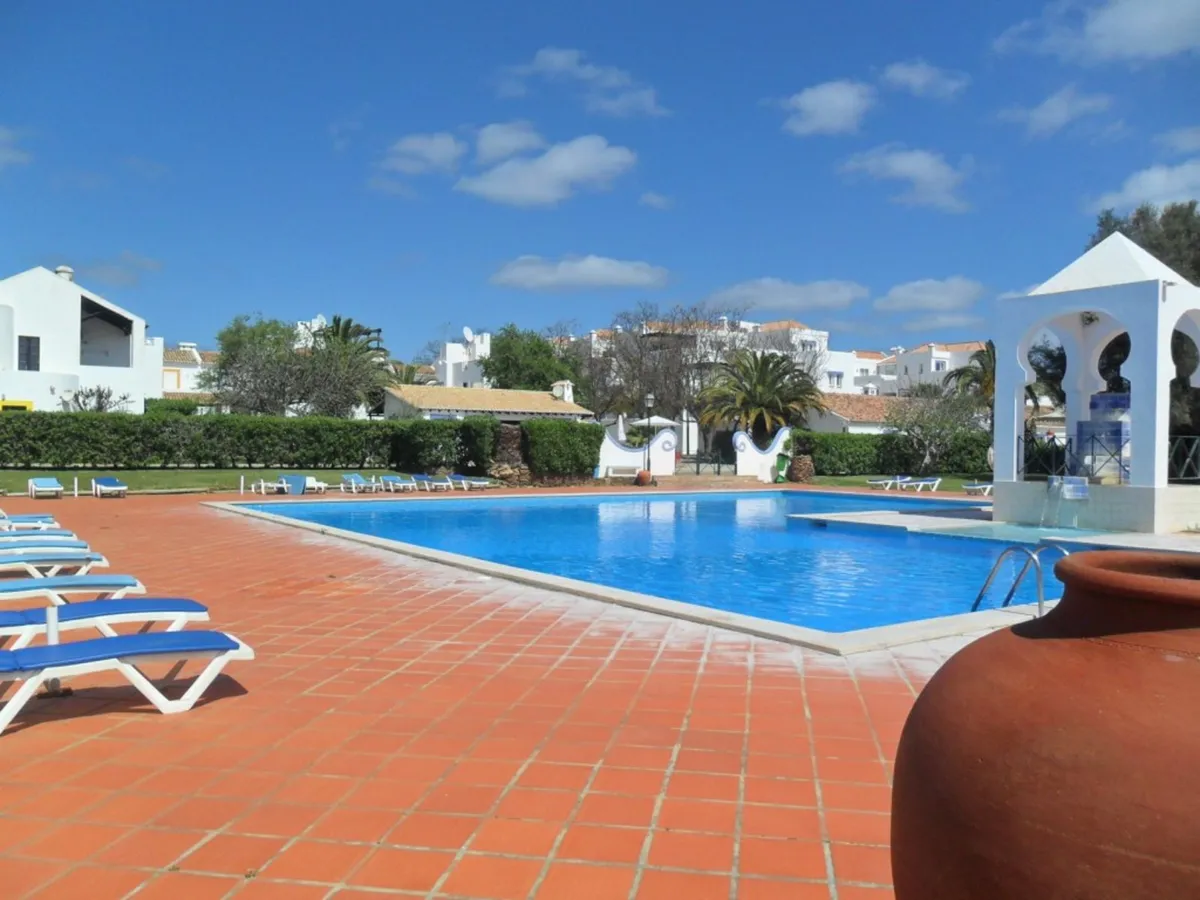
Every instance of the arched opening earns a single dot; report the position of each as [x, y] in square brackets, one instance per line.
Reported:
[1183, 446]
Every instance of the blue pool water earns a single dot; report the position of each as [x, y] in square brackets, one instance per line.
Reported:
[730, 551]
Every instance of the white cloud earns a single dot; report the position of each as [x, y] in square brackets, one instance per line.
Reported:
[931, 180]
[124, 271]
[775, 293]
[534, 273]
[1057, 111]
[385, 184]
[419, 153]
[835, 107]
[10, 153]
[942, 321]
[553, 176]
[655, 200]
[925, 80]
[607, 89]
[1181, 140]
[504, 139]
[931, 295]
[1159, 185]
[1108, 30]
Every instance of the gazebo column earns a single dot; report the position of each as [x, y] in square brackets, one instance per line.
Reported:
[1149, 370]
[1008, 414]
[1082, 382]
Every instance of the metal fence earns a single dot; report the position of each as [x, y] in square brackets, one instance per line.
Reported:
[1039, 457]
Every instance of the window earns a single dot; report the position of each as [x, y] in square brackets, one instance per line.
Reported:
[921, 369]
[29, 354]
[808, 346]
[939, 365]
[906, 370]
[864, 372]
[835, 379]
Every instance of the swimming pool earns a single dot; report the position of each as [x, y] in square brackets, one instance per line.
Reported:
[727, 551]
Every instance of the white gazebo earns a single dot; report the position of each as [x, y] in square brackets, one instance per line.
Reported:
[1114, 288]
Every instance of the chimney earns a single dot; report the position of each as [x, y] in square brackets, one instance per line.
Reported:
[65, 272]
[564, 391]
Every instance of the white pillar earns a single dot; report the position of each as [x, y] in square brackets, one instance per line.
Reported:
[1082, 381]
[1149, 370]
[1008, 412]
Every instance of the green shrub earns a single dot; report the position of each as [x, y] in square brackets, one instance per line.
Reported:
[426, 445]
[478, 436]
[560, 449]
[839, 454]
[160, 406]
[888, 454]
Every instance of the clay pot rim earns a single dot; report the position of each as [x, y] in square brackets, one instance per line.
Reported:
[1159, 577]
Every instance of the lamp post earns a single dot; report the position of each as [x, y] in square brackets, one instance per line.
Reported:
[649, 406]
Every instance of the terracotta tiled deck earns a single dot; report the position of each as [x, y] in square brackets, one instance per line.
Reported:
[408, 730]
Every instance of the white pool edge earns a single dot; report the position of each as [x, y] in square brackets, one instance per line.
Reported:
[840, 644]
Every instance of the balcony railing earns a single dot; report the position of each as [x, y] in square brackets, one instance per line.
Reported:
[1039, 458]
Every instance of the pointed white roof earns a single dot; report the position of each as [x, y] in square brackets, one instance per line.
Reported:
[1115, 260]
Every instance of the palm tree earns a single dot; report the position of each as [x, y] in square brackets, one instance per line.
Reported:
[349, 331]
[978, 377]
[761, 392]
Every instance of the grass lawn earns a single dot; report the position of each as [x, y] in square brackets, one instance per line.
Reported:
[14, 480]
[949, 482]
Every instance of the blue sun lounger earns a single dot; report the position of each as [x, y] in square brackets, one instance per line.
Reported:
[27, 521]
[430, 483]
[34, 665]
[398, 483]
[44, 487]
[32, 541]
[467, 483]
[51, 561]
[26, 624]
[48, 535]
[58, 588]
[355, 484]
[108, 486]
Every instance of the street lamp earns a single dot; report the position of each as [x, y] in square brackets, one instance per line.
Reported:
[649, 406]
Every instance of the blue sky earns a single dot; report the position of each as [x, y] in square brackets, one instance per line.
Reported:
[882, 170]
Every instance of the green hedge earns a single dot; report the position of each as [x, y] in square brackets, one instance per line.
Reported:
[160, 406]
[121, 441]
[887, 454]
[561, 449]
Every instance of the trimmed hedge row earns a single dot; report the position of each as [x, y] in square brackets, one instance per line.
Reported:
[557, 448]
[888, 454]
[122, 441]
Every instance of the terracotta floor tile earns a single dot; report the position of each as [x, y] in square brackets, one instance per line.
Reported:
[150, 848]
[560, 776]
[685, 850]
[360, 825]
[699, 786]
[548, 806]
[402, 870]
[73, 842]
[630, 782]
[232, 854]
[597, 843]
[516, 837]
[92, 882]
[492, 877]
[264, 889]
[128, 808]
[858, 827]
[697, 815]
[751, 888]
[581, 882]
[317, 861]
[465, 799]
[872, 865]
[858, 797]
[21, 876]
[433, 831]
[781, 822]
[205, 813]
[273, 819]
[186, 886]
[615, 809]
[675, 885]
[791, 859]
[861, 892]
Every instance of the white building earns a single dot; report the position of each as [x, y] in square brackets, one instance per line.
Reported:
[58, 338]
[901, 370]
[461, 364]
[306, 330]
[182, 367]
[852, 414]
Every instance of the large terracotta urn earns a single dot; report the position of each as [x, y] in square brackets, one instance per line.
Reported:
[1060, 759]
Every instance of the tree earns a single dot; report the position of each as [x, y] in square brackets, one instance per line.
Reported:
[99, 399]
[978, 379]
[524, 360]
[933, 424]
[761, 392]
[342, 371]
[258, 368]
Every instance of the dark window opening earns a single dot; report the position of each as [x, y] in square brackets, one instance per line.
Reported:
[29, 354]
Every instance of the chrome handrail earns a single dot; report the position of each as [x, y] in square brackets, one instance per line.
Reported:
[1031, 561]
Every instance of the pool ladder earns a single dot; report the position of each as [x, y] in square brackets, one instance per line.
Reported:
[1032, 561]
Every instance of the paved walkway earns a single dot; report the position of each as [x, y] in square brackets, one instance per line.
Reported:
[408, 730]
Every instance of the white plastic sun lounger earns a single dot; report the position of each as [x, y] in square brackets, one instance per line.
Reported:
[469, 484]
[354, 483]
[32, 542]
[978, 489]
[27, 521]
[50, 562]
[262, 486]
[59, 588]
[45, 535]
[920, 484]
[398, 484]
[26, 624]
[432, 483]
[34, 665]
[44, 487]
[886, 484]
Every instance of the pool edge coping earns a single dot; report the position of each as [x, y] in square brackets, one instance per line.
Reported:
[862, 640]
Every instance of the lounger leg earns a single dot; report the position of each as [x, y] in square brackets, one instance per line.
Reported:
[17, 701]
[165, 706]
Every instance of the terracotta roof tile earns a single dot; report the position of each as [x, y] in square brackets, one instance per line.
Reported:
[178, 356]
[783, 325]
[868, 354]
[201, 397]
[860, 407]
[209, 356]
[484, 400]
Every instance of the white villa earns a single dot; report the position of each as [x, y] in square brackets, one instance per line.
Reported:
[181, 371]
[902, 369]
[58, 338]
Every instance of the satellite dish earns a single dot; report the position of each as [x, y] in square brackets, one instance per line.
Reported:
[468, 334]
